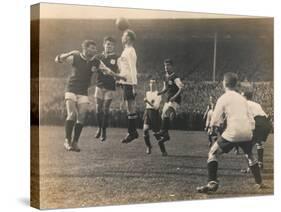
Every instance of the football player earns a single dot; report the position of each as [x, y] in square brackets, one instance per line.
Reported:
[105, 86]
[173, 87]
[76, 94]
[127, 64]
[151, 117]
[262, 127]
[240, 124]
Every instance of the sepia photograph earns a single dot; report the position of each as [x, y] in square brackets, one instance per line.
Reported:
[133, 106]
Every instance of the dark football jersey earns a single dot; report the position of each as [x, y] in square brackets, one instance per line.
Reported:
[172, 88]
[80, 79]
[103, 80]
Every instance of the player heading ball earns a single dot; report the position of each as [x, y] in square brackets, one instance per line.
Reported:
[127, 64]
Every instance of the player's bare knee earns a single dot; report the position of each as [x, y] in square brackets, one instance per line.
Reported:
[172, 115]
[82, 117]
[214, 153]
[145, 132]
[71, 116]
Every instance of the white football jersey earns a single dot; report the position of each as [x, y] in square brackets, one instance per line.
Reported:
[153, 98]
[256, 109]
[127, 64]
[240, 121]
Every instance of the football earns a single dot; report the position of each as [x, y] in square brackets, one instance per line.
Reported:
[122, 23]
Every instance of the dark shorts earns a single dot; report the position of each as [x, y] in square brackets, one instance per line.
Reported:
[262, 129]
[227, 146]
[152, 118]
[128, 92]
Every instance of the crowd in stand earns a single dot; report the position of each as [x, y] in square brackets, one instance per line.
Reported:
[190, 116]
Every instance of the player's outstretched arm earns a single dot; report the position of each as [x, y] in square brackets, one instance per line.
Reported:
[108, 71]
[164, 90]
[66, 57]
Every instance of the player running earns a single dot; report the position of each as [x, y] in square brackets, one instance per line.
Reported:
[151, 117]
[240, 124]
[262, 127]
[76, 94]
[105, 86]
[172, 88]
[127, 64]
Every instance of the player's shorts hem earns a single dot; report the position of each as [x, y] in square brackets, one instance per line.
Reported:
[79, 99]
[128, 92]
[103, 93]
[226, 146]
[173, 105]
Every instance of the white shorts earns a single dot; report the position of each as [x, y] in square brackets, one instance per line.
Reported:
[173, 105]
[104, 94]
[79, 99]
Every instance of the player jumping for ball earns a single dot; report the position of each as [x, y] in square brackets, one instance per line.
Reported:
[151, 117]
[127, 64]
[76, 95]
[105, 86]
[238, 132]
[172, 88]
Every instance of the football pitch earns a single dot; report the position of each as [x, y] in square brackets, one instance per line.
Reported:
[112, 173]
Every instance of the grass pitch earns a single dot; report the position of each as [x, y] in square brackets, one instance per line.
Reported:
[112, 173]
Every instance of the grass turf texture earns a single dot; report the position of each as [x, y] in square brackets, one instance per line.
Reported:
[112, 173]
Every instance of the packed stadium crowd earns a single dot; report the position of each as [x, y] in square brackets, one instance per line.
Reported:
[189, 117]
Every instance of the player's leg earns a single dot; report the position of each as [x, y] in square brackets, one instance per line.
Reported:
[146, 138]
[252, 162]
[131, 114]
[70, 102]
[106, 107]
[83, 106]
[219, 147]
[99, 110]
[168, 115]
[260, 150]
[210, 139]
[261, 133]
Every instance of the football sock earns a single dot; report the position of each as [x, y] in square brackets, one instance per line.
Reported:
[147, 140]
[132, 122]
[165, 124]
[100, 119]
[256, 172]
[77, 131]
[260, 153]
[68, 129]
[212, 170]
[162, 146]
[105, 120]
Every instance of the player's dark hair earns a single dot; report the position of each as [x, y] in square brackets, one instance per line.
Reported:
[131, 34]
[248, 95]
[87, 43]
[169, 61]
[109, 38]
[230, 79]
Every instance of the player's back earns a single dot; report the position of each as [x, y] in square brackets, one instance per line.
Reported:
[240, 122]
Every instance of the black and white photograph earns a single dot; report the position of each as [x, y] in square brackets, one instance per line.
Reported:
[133, 106]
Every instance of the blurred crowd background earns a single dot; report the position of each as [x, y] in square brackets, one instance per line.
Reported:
[244, 46]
